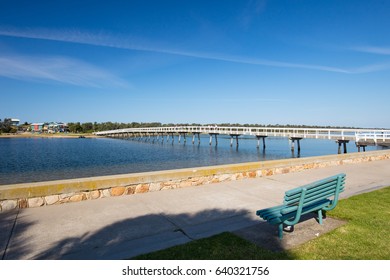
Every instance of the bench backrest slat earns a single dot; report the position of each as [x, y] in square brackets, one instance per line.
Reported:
[315, 185]
[314, 192]
[326, 192]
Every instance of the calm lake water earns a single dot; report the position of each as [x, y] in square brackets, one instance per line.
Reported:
[42, 159]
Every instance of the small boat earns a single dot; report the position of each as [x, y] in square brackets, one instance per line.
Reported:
[81, 136]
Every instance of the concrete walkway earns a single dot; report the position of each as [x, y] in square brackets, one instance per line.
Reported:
[123, 227]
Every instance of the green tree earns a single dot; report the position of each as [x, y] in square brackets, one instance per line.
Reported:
[75, 127]
[87, 127]
[6, 127]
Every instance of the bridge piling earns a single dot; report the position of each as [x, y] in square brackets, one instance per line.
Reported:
[193, 137]
[258, 140]
[184, 137]
[231, 139]
[216, 138]
[298, 139]
[344, 143]
[361, 146]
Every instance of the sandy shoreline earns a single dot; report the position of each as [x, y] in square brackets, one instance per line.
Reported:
[44, 135]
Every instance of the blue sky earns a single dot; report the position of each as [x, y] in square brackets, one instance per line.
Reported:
[269, 62]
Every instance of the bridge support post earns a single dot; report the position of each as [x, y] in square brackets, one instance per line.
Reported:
[193, 137]
[258, 140]
[216, 138]
[184, 137]
[344, 143]
[298, 139]
[361, 146]
[231, 139]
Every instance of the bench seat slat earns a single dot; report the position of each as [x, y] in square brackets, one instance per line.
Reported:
[308, 209]
[267, 211]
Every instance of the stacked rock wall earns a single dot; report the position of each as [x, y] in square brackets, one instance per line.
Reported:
[76, 190]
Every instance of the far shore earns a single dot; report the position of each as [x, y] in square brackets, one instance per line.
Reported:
[48, 135]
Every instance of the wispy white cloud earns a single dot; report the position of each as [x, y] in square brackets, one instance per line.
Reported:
[373, 50]
[122, 42]
[101, 38]
[371, 68]
[56, 69]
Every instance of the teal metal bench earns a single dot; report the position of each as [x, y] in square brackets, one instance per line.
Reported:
[316, 197]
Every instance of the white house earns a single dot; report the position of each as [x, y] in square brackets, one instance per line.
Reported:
[15, 122]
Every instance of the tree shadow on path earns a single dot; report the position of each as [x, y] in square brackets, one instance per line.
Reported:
[130, 237]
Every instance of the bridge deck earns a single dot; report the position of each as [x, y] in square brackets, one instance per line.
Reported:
[363, 136]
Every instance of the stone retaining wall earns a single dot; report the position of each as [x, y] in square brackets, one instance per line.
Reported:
[76, 190]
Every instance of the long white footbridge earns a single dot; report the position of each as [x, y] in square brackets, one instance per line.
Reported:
[362, 137]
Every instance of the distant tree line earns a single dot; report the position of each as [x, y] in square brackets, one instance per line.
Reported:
[90, 127]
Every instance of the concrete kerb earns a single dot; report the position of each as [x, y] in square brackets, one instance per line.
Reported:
[74, 190]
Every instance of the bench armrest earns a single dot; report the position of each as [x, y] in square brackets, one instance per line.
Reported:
[336, 196]
[299, 210]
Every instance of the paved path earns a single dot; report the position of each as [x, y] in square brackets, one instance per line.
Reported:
[123, 227]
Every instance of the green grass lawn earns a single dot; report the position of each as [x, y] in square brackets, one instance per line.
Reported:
[366, 236]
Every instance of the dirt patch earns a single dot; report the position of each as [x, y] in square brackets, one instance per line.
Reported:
[266, 235]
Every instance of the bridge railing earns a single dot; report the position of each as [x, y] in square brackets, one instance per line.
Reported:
[317, 133]
[376, 136]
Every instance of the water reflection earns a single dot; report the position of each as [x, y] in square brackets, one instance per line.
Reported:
[31, 159]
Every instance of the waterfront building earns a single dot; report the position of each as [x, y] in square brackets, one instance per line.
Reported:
[15, 122]
[49, 127]
[55, 127]
[37, 127]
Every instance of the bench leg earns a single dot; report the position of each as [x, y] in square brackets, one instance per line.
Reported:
[320, 217]
[281, 231]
